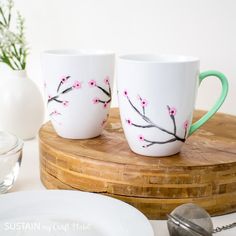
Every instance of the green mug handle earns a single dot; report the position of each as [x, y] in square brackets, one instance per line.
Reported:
[219, 102]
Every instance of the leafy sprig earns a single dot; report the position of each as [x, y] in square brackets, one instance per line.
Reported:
[13, 47]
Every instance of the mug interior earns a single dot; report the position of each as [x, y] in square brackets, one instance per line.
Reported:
[74, 52]
[155, 58]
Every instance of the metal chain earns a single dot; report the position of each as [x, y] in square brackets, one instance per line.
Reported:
[225, 227]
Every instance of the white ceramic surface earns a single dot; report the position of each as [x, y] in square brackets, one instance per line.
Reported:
[79, 89]
[157, 93]
[71, 213]
[21, 105]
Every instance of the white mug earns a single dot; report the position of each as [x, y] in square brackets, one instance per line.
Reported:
[156, 97]
[79, 91]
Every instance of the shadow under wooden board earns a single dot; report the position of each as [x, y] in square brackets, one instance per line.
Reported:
[204, 172]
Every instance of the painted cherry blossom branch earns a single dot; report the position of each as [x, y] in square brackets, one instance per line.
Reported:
[53, 114]
[172, 113]
[63, 80]
[150, 124]
[150, 143]
[56, 98]
[96, 100]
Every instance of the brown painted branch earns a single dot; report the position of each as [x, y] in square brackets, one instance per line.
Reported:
[158, 142]
[145, 118]
[54, 98]
[60, 84]
[104, 91]
[102, 101]
[109, 88]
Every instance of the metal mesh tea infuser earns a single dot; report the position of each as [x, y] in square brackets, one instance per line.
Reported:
[191, 220]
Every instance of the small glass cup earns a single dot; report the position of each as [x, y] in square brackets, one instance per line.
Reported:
[10, 160]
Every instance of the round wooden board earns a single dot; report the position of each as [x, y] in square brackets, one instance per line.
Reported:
[204, 172]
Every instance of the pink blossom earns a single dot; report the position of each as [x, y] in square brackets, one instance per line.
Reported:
[129, 122]
[92, 83]
[172, 111]
[107, 80]
[49, 96]
[77, 85]
[95, 100]
[105, 105]
[186, 123]
[141, 137]
[126, 93]
[64, 79]
[144, 102]
[65, 103]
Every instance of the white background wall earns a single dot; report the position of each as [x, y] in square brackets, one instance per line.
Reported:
[202, 28]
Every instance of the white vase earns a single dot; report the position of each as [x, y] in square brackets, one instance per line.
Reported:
[21, 105]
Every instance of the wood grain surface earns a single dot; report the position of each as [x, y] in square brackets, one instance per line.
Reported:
[204, 172]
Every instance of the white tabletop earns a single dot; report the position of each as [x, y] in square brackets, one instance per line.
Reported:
[29, 179]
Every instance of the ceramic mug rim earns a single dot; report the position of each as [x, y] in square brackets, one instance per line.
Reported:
[77, 52]
[148, 58]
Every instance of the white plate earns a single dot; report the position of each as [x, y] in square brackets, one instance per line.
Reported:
[55, 212]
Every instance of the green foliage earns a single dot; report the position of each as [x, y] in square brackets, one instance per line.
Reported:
[13, 48]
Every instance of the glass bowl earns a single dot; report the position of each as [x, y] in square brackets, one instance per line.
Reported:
[10, 160]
